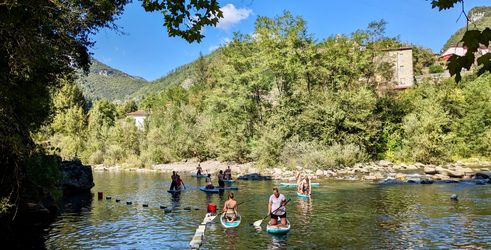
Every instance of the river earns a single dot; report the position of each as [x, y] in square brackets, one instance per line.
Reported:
[341, 214]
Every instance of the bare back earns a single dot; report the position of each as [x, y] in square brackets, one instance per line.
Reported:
[231, 205]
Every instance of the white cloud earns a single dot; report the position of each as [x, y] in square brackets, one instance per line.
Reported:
[232, 16]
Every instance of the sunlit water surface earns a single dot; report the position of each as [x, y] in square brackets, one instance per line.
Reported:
[340, 215]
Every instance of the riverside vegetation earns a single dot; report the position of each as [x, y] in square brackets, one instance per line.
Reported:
[280, 98]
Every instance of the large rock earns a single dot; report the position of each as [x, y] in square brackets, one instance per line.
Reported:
[429, 170]
[385, 163]
[455, 174]
[441, 170]
[411, 167]
[483, 175]
[254, 177]
[440, 177]
[390, 181]
[76, 177]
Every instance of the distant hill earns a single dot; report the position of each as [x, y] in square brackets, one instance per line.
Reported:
[181, 75]
[480, 18]
[109, 83]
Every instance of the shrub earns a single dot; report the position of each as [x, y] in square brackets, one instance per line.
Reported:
[97, 157]
[314, 155]
[436, 68]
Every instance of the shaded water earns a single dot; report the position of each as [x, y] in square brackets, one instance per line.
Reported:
[340, 215]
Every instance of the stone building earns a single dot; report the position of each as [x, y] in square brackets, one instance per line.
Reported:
[402, 61]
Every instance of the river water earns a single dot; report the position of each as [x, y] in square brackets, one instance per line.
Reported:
[341, 214]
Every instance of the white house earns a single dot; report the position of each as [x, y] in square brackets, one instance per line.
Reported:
[139, 117]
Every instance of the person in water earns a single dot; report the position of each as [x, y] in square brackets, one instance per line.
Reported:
[276, 208]
[228, 173]
[305, 186]
[209, 185]
[230, 208]
[179, 183]
[199, 170]
[221, 183]
[173, 177]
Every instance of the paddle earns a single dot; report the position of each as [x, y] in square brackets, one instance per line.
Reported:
[214, 216]
[258, 223]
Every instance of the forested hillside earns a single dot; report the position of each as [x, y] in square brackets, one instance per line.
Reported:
[109, 83]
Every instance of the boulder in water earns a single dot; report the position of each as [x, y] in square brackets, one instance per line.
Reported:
[483, 175]
[455, 174]
[454, 197]
[76, 177]
[254, 177]
[426, 181]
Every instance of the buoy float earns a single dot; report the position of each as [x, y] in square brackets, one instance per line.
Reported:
[162, 207]
[212, 208]
[145, 205]
[118, 200]
[129, 203]
[108, 197]
[100, 195]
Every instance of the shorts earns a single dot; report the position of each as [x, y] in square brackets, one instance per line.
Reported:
[272, 216]
[221, 184]
[230, 216]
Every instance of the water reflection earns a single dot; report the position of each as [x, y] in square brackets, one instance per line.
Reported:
[231, 237]
[76, 203]
[278, 241]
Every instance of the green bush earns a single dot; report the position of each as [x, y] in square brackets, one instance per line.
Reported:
[314, 155]
[97, 157]
[436, 68]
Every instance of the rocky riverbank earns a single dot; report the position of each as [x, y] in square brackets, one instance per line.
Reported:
[378, 172]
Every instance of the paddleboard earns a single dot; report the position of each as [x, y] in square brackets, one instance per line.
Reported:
[278, 229]
[232, 224]
[198, 176]
[210, 190]
[303, 195]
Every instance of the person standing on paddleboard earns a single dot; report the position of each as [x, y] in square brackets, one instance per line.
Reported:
[221, 183]
[173, 184]
[276, 208]
[199, 169]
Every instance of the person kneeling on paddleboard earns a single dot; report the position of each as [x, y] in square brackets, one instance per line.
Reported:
[209, 185]
[276, 208]
[230, 208]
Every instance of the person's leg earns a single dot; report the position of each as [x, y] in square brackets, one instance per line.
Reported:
[272, 220]
[283, 221]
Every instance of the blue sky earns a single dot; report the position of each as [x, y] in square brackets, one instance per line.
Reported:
[143, 48]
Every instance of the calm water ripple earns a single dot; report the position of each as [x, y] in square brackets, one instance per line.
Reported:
[346, 215]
